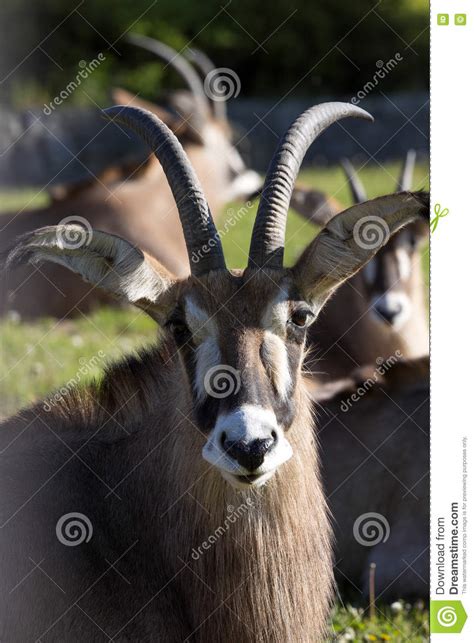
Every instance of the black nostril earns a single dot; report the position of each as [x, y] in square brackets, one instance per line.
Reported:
[388, 315]
[250, 454]
[223, 439]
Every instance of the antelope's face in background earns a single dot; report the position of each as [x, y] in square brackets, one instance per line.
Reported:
[242, 354]
[391, 277]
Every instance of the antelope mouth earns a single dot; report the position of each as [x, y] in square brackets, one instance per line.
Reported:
[244, 481]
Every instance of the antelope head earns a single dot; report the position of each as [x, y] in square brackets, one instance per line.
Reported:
[239, 335]
[390, 279]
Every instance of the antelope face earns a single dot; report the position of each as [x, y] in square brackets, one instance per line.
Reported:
[389, 278]
[240, 335]
[242, 352]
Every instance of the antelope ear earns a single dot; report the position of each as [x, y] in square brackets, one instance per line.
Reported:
[102, 259]
[313, 205]
[351, 239]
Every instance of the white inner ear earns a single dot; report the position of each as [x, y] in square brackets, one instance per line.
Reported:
[105, 260]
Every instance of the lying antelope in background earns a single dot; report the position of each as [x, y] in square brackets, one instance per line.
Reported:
[375, 448]
[380, 310]
[152, 460]
[137, 206]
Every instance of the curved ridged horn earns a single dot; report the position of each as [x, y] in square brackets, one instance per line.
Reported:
[178, 62]
[359, 195]
[406, 175]
[196, 219]
[268, 236]
[205, 65]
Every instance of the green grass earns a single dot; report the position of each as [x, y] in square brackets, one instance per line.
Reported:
[398, 622]
[40, 356]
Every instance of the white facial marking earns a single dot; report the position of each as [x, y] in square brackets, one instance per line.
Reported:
[246, 424]
[275, 316]
[396, 304]
[198, 320]
[207, 355]
[244, 184]
[275, 359]
[404, 263]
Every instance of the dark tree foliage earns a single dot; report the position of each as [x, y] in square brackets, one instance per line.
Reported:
[277, 47]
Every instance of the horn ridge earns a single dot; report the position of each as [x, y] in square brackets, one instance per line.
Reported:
[268, 236]
[193, 209]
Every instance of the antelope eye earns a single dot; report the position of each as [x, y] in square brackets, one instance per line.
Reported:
[301, 317]
[179, 328]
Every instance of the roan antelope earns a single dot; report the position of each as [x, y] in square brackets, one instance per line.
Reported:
[156, 456]
[375, 448]
[134, 204]
[380, 310]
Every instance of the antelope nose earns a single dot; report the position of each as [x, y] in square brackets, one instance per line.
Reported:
[250, 454]
[389, 314]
